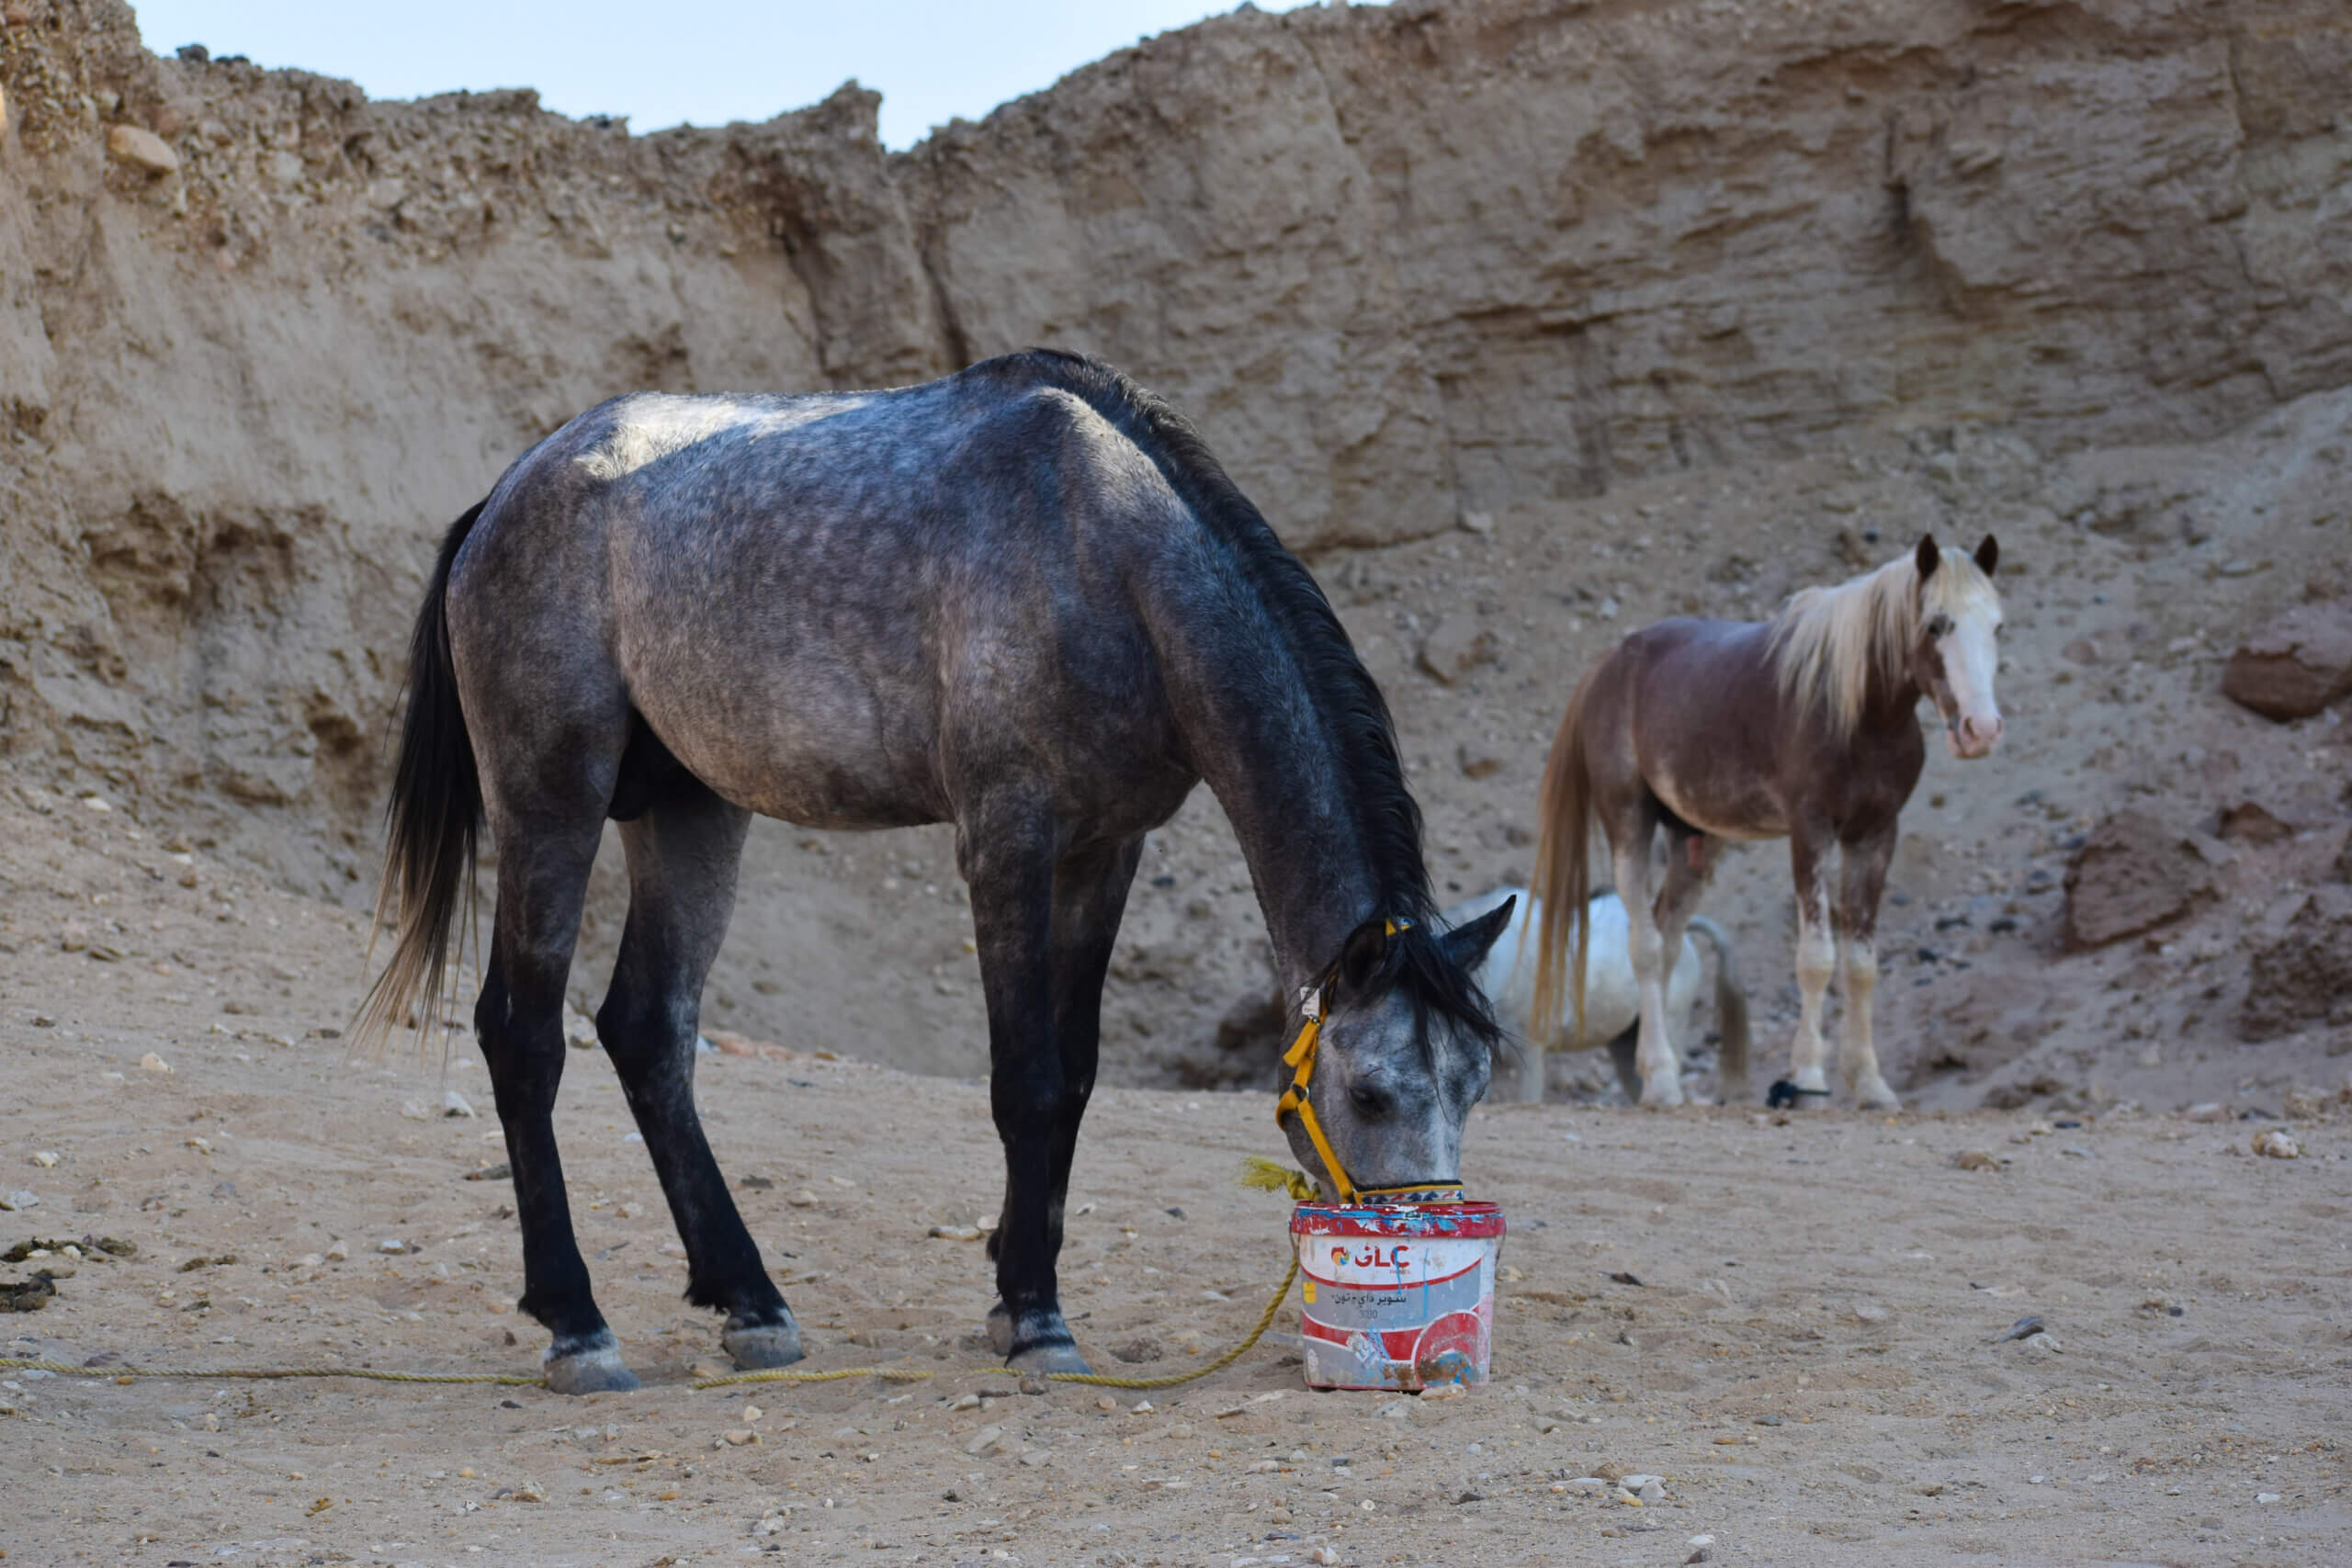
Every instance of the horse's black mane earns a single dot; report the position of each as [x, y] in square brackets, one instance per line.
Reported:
[1344, 692]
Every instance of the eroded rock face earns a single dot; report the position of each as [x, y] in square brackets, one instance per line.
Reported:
[2305, 975]
[2297, 665]
[1408, 267]
[1405, 264]
[2134, 873]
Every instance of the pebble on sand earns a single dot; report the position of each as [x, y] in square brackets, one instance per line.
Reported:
[2276, 1143]
[154, 1064]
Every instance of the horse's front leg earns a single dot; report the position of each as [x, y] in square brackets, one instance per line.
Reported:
[1861, 879]
[1809, 847]
[1044, 931]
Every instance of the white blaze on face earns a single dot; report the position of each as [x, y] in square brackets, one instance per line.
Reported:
[1971, 656]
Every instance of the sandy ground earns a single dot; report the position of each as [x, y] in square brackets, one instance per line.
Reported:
[1808, 1359]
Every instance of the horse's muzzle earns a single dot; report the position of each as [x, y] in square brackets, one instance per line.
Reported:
[1971, 737]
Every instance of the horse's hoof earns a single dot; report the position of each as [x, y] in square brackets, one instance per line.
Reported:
[589, 1366]
[757, 1346]
[1038, 1342]
[1039, 1361]
[1876, 1095]
[1662, 1093]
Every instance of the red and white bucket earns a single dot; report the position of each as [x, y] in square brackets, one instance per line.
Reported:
[1399, 1296]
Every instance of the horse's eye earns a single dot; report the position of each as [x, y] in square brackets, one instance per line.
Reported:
[1368, 1100]
[1940, 627]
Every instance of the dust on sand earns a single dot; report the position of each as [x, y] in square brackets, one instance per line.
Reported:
[1808, 1360]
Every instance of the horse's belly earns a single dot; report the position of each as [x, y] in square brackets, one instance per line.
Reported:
[1748, 815]
[810, 753]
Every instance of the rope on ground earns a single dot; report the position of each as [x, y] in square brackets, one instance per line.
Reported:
[1085, 1380]
[122, 1372]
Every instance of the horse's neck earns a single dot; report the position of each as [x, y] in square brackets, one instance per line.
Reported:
[1286, 791]
[1298, 832]
[1890, 704]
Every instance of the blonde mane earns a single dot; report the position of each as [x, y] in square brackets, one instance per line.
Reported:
[1828, 642]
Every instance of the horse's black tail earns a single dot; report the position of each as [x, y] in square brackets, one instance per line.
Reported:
[435, 818]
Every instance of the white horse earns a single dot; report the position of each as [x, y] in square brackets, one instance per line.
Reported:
[1612, 997]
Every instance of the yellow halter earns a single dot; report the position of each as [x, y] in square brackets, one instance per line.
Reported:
[1300, 1060]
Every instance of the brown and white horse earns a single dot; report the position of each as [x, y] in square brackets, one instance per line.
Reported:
[1802, 727]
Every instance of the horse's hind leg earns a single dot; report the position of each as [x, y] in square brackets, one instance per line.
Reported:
[1862, 878]
[1630, 846]
[682, 854]
[543, 860]
[1045, 930]
[1624, 1055]
[1817, 956]
[1690, 861]
[1531, 1056]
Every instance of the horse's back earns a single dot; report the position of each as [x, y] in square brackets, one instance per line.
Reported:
[824, 604]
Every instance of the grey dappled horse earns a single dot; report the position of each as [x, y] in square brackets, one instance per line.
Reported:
[1024, 599]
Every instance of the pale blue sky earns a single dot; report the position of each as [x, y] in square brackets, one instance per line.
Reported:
[699, 63]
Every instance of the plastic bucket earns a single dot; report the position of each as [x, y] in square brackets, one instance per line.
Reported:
[1399, 1296]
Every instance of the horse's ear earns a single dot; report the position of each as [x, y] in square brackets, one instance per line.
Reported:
[1363, 953]
[1926, 557]
[1467, 945]
[1988, 554]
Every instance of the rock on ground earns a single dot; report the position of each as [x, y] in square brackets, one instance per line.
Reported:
[2135, 872]
[2305, 975]
[2297, 665]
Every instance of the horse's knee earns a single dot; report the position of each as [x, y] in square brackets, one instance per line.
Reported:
[1817, 957]
[645, 1024]
[1035, 1101]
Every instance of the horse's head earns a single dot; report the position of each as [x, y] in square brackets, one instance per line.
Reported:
[1957, 651]
[1406, 1048]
